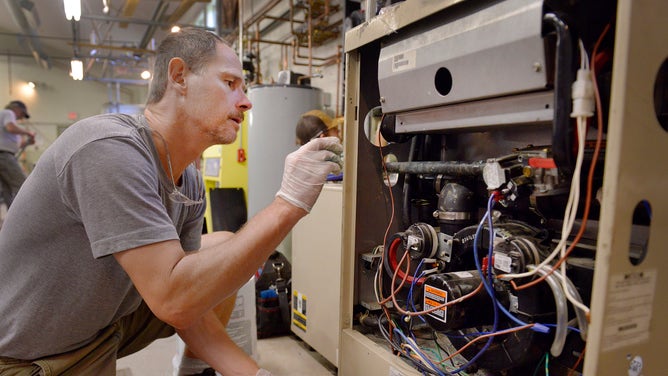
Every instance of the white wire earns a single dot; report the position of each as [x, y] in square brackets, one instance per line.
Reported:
[574, 195]
[582, 128]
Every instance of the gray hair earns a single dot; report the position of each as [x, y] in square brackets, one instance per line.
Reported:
[195, 46]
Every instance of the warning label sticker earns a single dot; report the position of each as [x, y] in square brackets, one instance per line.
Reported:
[299, 310]
[629, 309]
[434, 297]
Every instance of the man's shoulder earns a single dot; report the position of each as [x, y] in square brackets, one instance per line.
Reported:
[95, 129]
[117, 119]
[103, 126]
[7, 116]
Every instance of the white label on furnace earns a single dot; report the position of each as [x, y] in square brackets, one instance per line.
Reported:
[502, 262]
[629, 309]
[412, 240]
[403, 61]
[300, 301]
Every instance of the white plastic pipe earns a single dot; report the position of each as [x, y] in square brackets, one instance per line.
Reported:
[562, 311]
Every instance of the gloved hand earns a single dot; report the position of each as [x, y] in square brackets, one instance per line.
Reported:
[306, 171]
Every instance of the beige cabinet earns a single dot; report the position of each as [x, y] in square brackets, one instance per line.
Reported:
[316, 274]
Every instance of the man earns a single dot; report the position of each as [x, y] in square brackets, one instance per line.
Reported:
[11, 140]
[95, 250]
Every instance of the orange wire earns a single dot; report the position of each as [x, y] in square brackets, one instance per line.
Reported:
[590, 175]
[383, 300]
[507, 331]
[577, 363]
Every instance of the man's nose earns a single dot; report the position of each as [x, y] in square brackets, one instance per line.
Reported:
[245, 103]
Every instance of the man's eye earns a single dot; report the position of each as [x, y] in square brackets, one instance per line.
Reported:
[230, 83]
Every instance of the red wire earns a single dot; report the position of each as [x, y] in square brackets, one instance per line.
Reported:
[590, 176]
[392, 254]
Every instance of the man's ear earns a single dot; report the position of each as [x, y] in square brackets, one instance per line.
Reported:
[176, 72]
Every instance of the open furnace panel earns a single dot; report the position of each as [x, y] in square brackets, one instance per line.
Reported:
[483, 193]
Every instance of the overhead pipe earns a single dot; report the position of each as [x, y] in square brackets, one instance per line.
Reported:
[330, 60]
[138, 21]
[32, 39]
[270, 42]
[255, 42]
[284, 56]
[240, 27]
[158, 14]
[310, 38]
[255, 17]
[339, 52]
[257, 54]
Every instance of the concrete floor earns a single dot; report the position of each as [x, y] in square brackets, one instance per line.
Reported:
[282, 356]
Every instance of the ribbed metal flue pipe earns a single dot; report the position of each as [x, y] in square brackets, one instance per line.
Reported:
[435, 168]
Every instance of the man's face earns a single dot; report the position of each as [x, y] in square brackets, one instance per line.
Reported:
[20, 113]
[216, 100]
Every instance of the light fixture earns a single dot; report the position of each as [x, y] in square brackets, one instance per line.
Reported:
[145, 75]
[77, 69]
[72, 9]
[28, 90]
[175, 29]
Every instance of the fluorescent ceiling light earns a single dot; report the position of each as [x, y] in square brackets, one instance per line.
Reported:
[77, 69]
[72, 9]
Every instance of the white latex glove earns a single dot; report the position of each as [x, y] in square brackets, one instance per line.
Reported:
[306, 171]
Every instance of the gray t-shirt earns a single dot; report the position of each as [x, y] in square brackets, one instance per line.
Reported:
[8, 141]
[99, 189]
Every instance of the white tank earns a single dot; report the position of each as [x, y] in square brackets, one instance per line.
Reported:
[271, 137]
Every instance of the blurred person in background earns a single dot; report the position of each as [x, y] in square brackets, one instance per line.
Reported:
[13, 138]
[315, 124]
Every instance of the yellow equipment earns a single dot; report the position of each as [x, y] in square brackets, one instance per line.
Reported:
[225, 174]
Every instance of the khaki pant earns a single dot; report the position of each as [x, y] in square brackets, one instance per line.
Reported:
[128, 335]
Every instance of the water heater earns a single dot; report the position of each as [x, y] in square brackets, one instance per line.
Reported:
[271, 137]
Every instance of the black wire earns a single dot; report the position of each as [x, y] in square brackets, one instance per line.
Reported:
[452, 360]
[406, 217]
[419, 366]
[562, 133]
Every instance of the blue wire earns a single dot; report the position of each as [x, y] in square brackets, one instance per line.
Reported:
[537, 327]
[488, 288]
[569, 327]
[409, 298]
[424, 357]
[476, 238]
[410, 291]
[488, 281]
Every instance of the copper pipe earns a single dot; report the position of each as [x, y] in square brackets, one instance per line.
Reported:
[284, 56]
[296, 54]
[270, 42]
[310, 38]
[302, 78]
[324, 64]
[257, 46]
[338, 79]
[280, 19]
